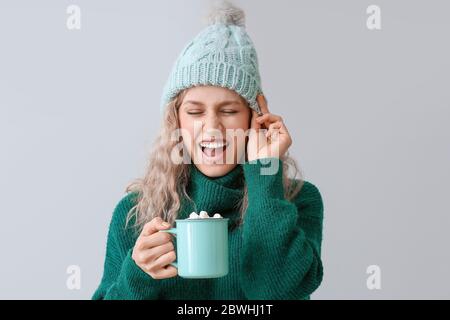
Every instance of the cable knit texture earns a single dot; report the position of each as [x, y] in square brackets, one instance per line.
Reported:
[222, 54]
[274, 254]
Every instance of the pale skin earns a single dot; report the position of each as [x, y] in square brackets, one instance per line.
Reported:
[217, 109]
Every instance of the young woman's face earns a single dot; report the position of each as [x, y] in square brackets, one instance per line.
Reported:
[213, 122]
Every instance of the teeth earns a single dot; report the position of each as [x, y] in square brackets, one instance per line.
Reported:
[212, 145]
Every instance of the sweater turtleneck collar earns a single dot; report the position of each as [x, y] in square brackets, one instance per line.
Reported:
[216, 195]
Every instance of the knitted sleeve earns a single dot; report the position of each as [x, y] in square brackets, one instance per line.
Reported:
[122, 278]
[281, 239]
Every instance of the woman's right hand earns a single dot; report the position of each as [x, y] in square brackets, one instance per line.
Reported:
[154, 251]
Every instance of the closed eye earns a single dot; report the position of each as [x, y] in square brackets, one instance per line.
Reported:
[194, 112]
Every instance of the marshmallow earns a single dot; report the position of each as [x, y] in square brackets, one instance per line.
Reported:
[193, 215]
[203, 215]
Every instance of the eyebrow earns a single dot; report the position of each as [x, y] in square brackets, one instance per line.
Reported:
[223, 103]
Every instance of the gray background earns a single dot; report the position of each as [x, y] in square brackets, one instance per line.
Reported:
[368, 112]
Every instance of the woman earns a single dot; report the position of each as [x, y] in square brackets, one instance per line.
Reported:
[275, 222]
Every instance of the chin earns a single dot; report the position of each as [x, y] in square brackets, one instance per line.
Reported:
[215, 170]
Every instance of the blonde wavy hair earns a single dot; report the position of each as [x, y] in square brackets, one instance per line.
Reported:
[160, 190]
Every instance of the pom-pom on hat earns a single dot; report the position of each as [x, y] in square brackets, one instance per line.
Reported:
[222, 54]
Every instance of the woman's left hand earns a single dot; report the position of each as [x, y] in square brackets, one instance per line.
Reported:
[275, 142]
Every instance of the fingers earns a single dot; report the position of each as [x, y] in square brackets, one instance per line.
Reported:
[167, 272]
[160, 268]
[154, 226]
[154, 262]
[154, 251]
[274, 129]
[267, 119]
[254, 123]
[164, 260]
[152, 247]
[262, 102]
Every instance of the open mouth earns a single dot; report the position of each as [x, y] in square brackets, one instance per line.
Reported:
[213, 150]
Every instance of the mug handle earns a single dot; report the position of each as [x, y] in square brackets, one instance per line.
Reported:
[174, 232]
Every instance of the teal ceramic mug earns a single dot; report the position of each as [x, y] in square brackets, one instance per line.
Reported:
[201, 247]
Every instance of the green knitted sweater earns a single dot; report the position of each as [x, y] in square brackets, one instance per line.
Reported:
[274, 254]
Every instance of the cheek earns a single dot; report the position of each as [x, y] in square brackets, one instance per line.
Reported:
[188, 137]
[238, 122]
[243, 124]
[186, 132]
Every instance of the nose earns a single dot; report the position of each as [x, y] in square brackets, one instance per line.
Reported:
[212, 121]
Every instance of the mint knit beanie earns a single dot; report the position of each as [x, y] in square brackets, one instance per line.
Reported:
[222, 54]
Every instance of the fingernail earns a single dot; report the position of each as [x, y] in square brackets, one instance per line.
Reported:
[165, 224]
